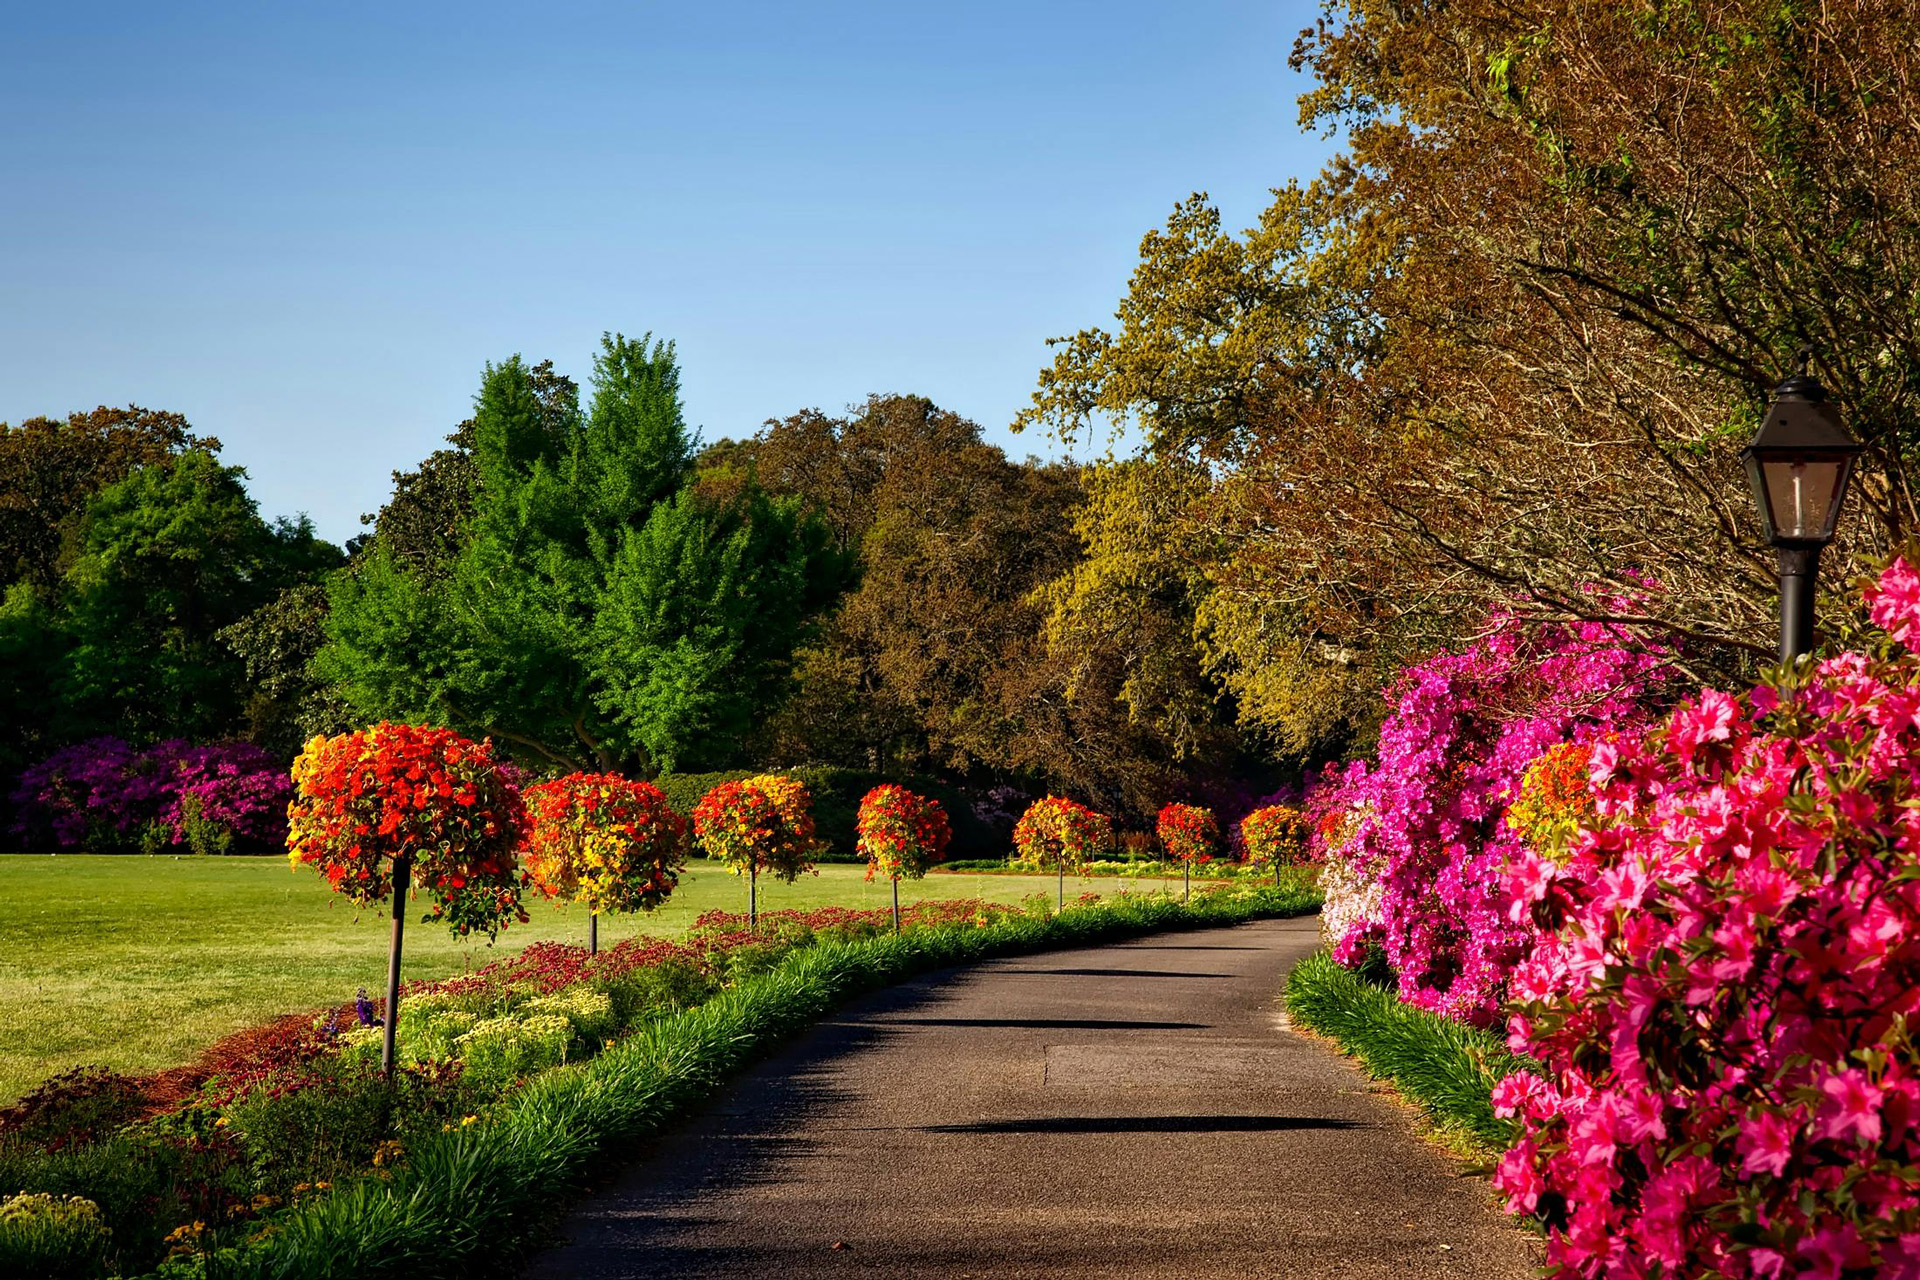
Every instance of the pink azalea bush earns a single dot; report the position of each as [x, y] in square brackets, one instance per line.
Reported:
[1414, 843]
[105, 796]
[1725, 995]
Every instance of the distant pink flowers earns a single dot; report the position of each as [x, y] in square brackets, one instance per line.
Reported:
[1728, 966]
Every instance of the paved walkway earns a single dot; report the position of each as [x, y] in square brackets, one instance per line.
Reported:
[1127, 1110]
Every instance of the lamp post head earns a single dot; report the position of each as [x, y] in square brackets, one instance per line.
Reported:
[1799, 463]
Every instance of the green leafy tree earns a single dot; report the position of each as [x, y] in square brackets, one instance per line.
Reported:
[705, 606]
[580, 527]
[50, 469]
[286, 703]
[166, 559]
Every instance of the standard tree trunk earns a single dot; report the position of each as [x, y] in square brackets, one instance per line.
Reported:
[402, 877]
[896, 906]
[593, 933]
[753, 898]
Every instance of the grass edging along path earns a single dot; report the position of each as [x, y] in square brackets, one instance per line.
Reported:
[1447, 1067]
[467, 1196]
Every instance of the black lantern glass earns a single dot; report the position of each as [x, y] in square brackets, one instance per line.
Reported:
[1799, 464]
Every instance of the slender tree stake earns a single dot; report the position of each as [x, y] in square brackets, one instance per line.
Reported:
[402, 877]
[896, 906]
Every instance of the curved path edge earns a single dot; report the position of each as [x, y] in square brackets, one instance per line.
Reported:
[1131, 1109]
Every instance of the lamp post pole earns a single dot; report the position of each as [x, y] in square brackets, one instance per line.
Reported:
[1799, 569]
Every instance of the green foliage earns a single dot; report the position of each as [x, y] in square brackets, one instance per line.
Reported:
[704, 606]
[286, 703]
[836, 796]
[1448, 1067]
[51, 1237]
[125, 638]
[598, 605]
[498, 1050]
[50, 470]
[329, 1129]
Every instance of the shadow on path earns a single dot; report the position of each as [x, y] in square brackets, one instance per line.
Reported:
[1061, 1123]
[1145, 1124]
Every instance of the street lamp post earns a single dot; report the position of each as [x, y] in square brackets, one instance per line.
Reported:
[1799, 464]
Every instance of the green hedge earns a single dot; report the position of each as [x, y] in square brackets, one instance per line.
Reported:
[468, 1197]
[1447, 1067]
[836, 803]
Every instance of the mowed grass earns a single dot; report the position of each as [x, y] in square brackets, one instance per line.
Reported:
[138, 963]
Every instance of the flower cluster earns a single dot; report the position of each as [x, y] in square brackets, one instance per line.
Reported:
[901, 833]
[603, 840]
[104, 796]
[363, 799]
[1188, 833]
[1414, 844]
[763, 823]
[1726, 1011]
[1060, 834]
[1554, 801]
[1276, 836]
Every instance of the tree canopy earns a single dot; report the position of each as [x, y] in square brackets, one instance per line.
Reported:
[1505, 350]
[586, 598]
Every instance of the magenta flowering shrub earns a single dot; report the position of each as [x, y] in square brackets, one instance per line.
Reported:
[1414, 844]
[1726, 1012]
[105, 796]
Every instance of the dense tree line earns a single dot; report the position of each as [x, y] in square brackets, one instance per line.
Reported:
[576, 576]
[127, 551]
[1502, 353]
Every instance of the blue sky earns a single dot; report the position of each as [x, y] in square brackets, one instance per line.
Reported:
[308, 227]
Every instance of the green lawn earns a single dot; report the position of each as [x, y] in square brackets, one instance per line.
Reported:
[137, 963]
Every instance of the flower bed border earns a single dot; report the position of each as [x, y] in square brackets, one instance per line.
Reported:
[476, 1193]
[1448, 1068]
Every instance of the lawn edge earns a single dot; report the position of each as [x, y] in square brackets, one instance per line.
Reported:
[1444, 1068]
[470, 1197]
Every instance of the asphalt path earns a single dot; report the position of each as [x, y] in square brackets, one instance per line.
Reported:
[1137, 1109]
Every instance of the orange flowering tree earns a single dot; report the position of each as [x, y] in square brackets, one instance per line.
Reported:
[1189, 834]
[1060, 833]
[376, 808]
[901, 834]
[760, 822]
[606, 841]
[1276, 836]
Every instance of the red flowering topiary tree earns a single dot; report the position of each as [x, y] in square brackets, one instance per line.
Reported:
[605, 841]
[901, 834]
[373, 808]
[763, 822]
[1060, 833]
[1276, 836]
[1189, 834]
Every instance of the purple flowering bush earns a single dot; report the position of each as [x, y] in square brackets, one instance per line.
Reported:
[1415, 843]
[105, 796]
